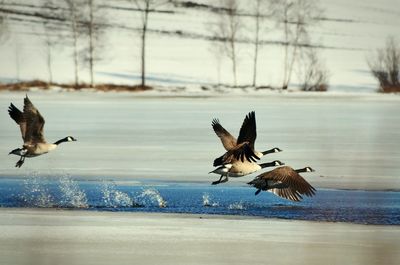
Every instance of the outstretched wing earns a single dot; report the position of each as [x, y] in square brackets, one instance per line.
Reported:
[228, 141]
[34, 123]
[18, 117]
[248, 131]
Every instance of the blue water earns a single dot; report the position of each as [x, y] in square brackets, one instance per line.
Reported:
[364, 207]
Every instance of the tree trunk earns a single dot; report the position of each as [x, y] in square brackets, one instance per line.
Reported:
[293, 59]
[75, 36]
[234, 61]
[17, 59]
[285, 67]
[49, 58]
[256, 43]
[91, 47]
[143, 48]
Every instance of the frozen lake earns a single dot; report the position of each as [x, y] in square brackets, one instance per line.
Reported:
[352, 141]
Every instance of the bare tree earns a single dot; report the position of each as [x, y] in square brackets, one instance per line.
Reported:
[94, 28]
[261, 11]
[17, 51]
[227, 30]
[73, 13]
[218, 53]
[50, 34]
[312, 72]
[146, 7]
[385, 66]
[49, 43]
[295, 17]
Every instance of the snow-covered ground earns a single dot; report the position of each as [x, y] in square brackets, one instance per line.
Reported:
[352, 30]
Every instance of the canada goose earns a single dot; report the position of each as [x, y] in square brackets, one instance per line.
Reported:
[31, 124]
[285, 182]
[240, 169]
[243, 147]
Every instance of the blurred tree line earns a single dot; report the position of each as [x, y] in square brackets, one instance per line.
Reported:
[81, 27]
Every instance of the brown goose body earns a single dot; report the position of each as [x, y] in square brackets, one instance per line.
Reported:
[284, 182]
[31, 124]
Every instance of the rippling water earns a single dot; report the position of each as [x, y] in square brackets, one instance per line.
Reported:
[365, 207]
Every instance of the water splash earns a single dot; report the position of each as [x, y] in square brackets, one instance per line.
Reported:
[207, 201]
[72, 195]
[114, 198]
[36, 192]
[237, 206]
[153, 196]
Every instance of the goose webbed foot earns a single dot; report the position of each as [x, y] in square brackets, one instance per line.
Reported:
[20, 162]
[220, 180]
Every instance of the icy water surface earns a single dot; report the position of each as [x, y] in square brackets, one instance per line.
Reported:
[363, 207]
[353, 141]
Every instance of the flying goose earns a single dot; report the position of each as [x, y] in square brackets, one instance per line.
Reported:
[285, 182]
[240, 169]
[31, 124]
[243, 147]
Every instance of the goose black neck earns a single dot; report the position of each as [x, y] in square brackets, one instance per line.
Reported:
[300, 170]
[270, 164]
[269, 151]
[61, 141]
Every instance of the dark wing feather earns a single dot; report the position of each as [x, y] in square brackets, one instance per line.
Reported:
[240, 152]
[34, 123]
[248, 131]
[228, 141]
[18, 117]
[287, 193]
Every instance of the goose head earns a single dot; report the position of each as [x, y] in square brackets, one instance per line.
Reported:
[18, 152]
[278, 163]
[306, 169]
[70, 139]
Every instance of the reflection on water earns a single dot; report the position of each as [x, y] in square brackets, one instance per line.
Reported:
[363, 207]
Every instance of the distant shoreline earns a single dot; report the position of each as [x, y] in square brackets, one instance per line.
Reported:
[195, 91]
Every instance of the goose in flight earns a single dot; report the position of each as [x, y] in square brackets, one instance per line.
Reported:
[31, 124]
[240, 169]
[285, 182]
[243, 147]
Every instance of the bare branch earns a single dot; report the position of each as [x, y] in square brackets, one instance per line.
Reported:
[385, 66]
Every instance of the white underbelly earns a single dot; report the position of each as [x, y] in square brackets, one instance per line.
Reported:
[243, 169]
[43, 149]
